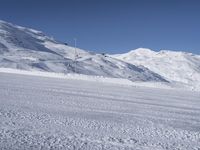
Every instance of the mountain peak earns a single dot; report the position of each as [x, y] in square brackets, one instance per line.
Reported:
[1, 21]
[143, 51]
[4, 23]
[175, 66]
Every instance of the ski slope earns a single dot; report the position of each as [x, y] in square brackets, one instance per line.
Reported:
[28, 49]
[38, 112]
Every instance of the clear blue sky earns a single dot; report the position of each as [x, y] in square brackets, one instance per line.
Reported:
[112, 26]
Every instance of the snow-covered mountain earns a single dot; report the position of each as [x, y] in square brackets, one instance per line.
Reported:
[180, 67]
[28, 49]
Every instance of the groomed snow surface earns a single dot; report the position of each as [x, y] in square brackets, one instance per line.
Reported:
[39, 112]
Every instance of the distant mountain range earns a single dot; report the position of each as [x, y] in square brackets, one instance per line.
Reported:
[176, 67]
[28, 49]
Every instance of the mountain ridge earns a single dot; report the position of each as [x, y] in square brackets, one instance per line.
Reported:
[29, 49]
[174, 66]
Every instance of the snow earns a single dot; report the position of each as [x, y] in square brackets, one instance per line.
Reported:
[138, 101]
[174, 66]
[100, 79]
[43, 53]
[41, 112]
[73, 76]
[30, 58]
[31, 50]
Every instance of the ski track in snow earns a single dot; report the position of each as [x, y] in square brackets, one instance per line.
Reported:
[49, 113]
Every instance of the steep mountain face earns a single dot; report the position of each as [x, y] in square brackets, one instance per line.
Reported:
[174, 66]
[28, 49]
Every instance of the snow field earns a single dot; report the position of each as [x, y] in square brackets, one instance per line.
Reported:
[53, 113]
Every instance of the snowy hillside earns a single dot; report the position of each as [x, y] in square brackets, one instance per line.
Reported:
[179, 67]
[28, 49]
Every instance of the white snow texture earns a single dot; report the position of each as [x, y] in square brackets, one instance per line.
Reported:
[38, 112]
[51, 99]
[177, 67]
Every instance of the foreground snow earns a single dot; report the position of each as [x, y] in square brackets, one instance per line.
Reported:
[53, 113]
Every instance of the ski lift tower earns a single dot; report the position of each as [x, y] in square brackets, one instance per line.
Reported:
[75, 55]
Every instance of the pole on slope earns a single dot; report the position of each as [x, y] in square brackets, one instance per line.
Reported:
[75, 55]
